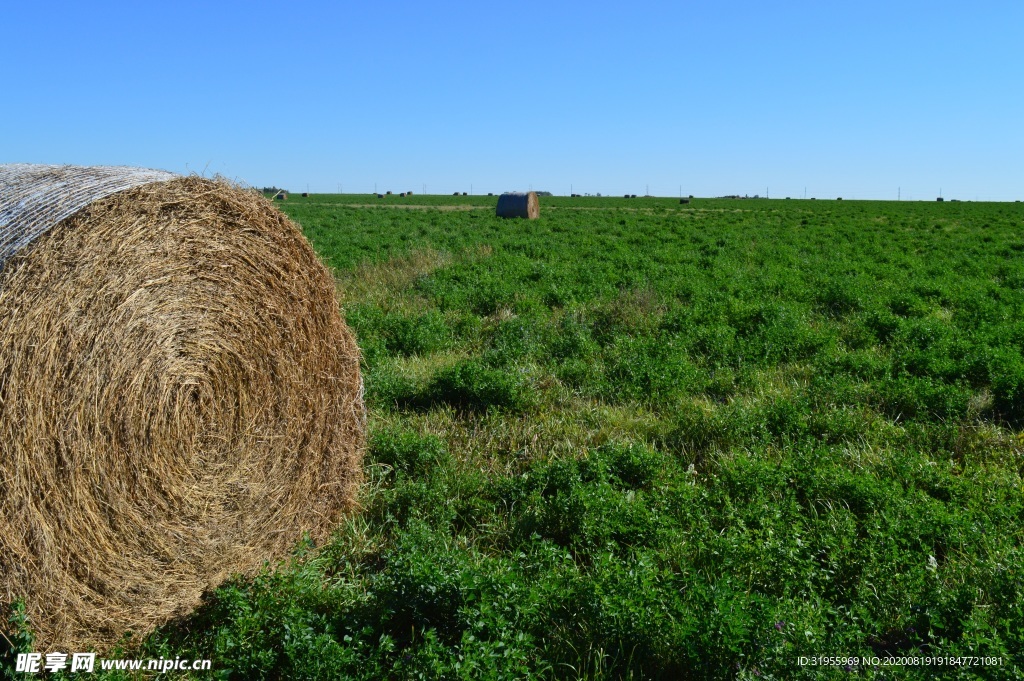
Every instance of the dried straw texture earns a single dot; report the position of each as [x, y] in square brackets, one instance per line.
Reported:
[180, 400]
[34, 198]
[518, 205]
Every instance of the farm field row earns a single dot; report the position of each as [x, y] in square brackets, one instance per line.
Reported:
[640, 438]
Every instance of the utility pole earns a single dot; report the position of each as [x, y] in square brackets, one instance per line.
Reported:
[899, 193]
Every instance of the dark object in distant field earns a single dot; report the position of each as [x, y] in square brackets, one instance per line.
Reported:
[465, 193]
[455, 193]
[408, 193]
[305, 195]
[380, 196]
[940, 199]
[518, 205]
[632, 196]
[388, 192]
[625, 196]
[402, 195]
[684, 201]
[839, 198]
[490, 193]
[281, 195]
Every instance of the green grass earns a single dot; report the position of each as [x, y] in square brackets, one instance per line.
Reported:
[636, 439]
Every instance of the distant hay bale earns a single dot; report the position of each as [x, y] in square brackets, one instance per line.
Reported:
[940, 199]
[465, 193]
[408, 193]
[281, 195]
[402, 195]
[305, 195]
[684, 201]
[380, 196]
[180, 399]
[632, 196]
[625, 196]
[388, 192]
[518, 205]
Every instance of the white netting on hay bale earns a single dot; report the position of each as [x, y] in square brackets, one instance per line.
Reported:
[34, 198]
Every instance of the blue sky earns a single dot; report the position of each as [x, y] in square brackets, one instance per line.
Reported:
[843, 99]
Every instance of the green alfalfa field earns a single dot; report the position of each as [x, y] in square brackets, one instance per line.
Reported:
[639, 439]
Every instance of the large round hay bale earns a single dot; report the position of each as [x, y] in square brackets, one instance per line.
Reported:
[518, 205]
[180, 399]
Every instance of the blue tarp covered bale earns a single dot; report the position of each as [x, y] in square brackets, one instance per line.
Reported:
[518, 205]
